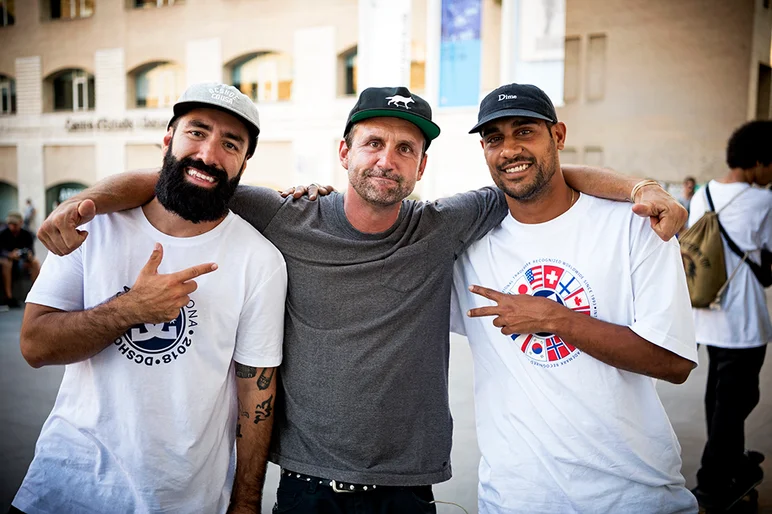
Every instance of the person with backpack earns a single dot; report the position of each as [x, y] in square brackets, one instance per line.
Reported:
[736, 327]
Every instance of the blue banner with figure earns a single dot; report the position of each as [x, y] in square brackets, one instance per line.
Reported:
[460, 53]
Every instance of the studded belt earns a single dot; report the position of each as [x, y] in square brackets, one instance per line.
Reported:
[336, 485]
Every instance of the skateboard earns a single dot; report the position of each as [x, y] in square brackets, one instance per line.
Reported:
[748, 503]
[745, 503]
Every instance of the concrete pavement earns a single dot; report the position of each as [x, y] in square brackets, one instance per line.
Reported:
[28, 395]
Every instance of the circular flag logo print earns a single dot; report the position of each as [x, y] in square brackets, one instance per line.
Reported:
[559, 282]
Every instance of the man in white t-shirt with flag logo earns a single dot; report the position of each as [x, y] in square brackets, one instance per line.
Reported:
[163, 373]
[573, 307]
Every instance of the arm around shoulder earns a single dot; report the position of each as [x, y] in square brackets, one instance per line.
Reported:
[600, 182]
[257, 205]
[469, 216]
[59, 232]
[667, 216]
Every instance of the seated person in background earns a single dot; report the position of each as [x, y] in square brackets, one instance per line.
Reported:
[16, 250]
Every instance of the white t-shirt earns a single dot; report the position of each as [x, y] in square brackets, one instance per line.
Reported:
[148, 424]
[560, 431]
[743, 321]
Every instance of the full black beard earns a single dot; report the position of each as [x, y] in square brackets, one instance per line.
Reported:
[188, 201]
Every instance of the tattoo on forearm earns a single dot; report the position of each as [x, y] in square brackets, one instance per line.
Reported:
[263, 410]
[245, 371]
[242, 412]
[264, 380]
[238, 430]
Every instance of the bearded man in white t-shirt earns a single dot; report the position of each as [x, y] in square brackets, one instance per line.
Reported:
[573, 307]
[736, 335]
[163, 373]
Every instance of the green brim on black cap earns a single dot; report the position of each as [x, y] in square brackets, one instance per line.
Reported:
[428, 127]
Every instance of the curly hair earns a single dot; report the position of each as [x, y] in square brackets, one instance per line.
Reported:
[751, 144]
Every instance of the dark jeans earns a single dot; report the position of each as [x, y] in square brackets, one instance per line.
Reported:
[731, 394]
[300, 496]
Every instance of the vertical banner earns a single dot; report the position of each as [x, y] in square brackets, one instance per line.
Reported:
[460, 53]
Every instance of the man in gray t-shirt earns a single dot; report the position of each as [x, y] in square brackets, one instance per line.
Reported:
[364, 376]
[363, 405]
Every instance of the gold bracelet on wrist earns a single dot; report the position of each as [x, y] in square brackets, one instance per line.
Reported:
[643, 183]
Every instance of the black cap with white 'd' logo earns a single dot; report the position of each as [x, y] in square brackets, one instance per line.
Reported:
[523, 100]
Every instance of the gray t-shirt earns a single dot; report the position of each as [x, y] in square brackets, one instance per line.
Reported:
[364, 382]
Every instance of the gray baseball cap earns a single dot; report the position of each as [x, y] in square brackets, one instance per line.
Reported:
[219, 96]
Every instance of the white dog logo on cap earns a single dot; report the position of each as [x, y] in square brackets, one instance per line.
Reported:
[397, 99]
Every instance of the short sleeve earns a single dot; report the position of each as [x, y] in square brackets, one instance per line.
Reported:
[473, 214]
[60, 283]
[257, 205]
[662, 310]
[261, 324]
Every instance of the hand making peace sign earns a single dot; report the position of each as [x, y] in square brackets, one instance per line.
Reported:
[518, 313]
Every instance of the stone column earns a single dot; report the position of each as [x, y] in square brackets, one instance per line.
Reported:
[31, 177]
[110, 81]
[29, 86]
[433, 33]
[384, 43]
[508, 45]
[313, 95]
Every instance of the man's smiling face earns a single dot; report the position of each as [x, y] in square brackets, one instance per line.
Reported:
[205, 155]
[521, 154]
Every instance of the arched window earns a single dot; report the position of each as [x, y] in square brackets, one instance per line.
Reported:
[7, 95]
[72, 90]
[9, 199]
[156, 84]
[263, 76]
[347, 72]
[61, 192]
